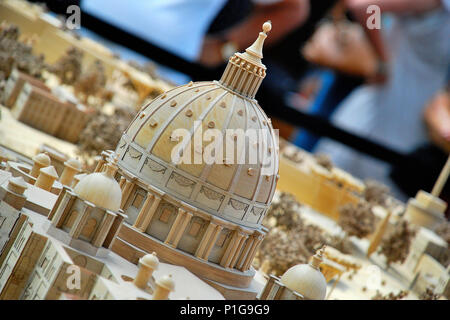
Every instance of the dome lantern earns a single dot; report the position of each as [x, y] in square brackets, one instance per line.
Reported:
[245, 72]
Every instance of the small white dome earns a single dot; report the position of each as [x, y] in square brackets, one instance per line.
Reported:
[74, 163]
[43, 159]
[150, 260]
[166, 282]
[307, 279]
[100, 189]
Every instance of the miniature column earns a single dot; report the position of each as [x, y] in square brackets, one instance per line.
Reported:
[80, 222]
[148, 217]
[58, 202]
[147, 264]
[103, 229]
[251, 254]
[46, 178]
[238, 250]
[114, 230]
[164, 286]
[178, 227]
[208, 237]
[71, 168]
[144, 210]
[122, 182]
[40, 161]
[231, 249]
[212, 241]
[99, 166]
[248, 246]
[63, 209]
[128, 186]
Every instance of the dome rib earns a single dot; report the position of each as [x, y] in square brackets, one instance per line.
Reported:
[208, 167]
[162, 128]
[147, 117]
[259, 110]
[237, 173]
[201, 117]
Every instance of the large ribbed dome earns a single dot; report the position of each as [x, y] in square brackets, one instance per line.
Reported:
[239, 189]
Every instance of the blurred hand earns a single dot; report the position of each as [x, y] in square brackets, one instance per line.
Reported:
[211, 54]
[343, 46]
[381, 75]
[437, 118]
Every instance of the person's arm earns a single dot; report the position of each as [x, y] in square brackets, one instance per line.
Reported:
[359, 10]
[285, 15]
[396, 6]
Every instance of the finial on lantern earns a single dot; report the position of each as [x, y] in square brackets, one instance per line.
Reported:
[267, 26]
[254, 52]
[318, 258]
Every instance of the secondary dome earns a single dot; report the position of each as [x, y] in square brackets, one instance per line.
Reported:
[101, 189]
[150, 260]
[307, 279]
[236, 186]
[43, 159]
[166, 282]
[74, 163]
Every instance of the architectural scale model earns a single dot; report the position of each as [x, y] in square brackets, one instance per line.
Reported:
[36, 263]
[134, 223]
[204, 217]
[426, 209]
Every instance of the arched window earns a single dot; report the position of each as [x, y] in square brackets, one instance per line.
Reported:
[71, 219]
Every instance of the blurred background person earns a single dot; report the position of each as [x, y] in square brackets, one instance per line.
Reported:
[418, 46]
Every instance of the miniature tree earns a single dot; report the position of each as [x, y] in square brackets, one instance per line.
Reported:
[103, 132]
[429, 294]
[396, 246]
[391, 296]
[284, 212]
[17, 54]
[357, 219]
[376, 193]
[281, 250]
[92, 83]
[68, 67]
[323, 160]
[290, 240]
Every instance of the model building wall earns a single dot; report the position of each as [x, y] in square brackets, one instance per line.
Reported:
[8, 218]
[74, 121]
[15, 84]
[39, 109]
[42, 110]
